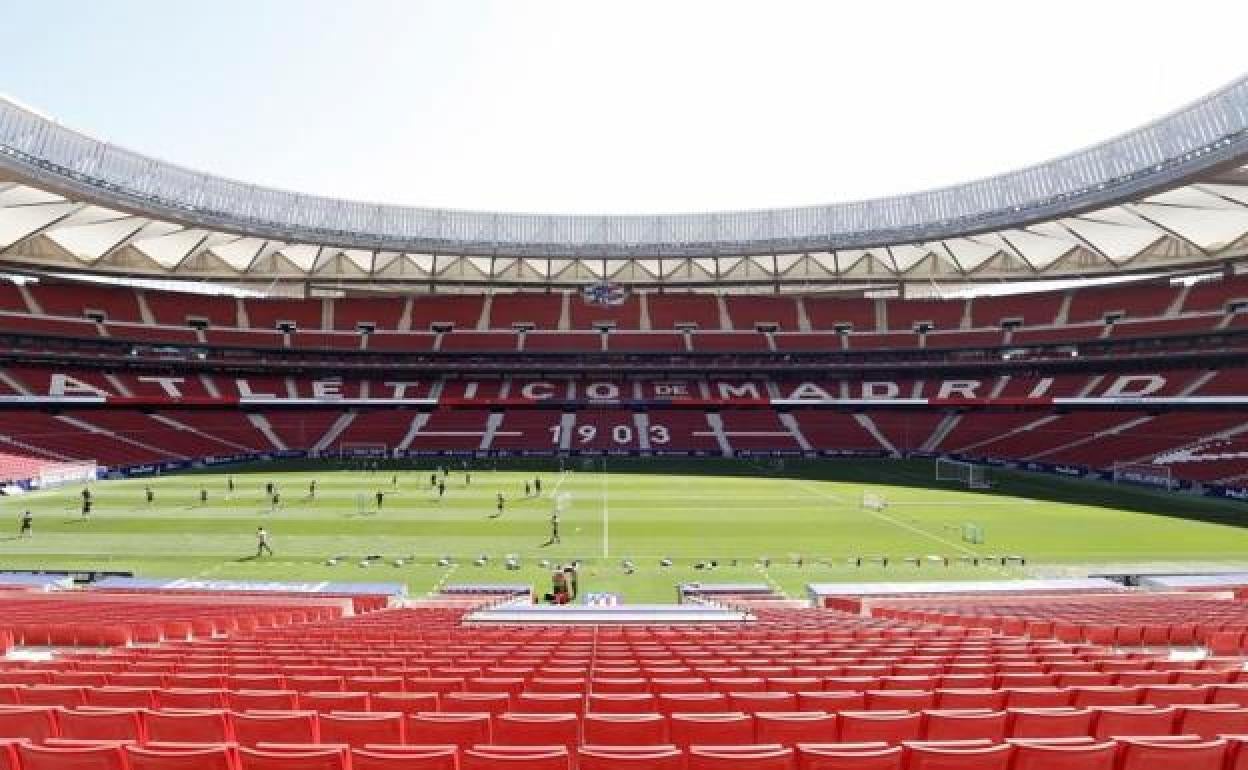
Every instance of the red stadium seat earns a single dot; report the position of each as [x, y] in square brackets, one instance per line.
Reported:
[725, 729]
[537, 730]
[1069, 756]
[1210, 722]
[334, 701]
[104, 757]
[1115, 722]
[932, 757]
[255, 727]
[891, 727]
[358, 729]
[476, 702]
[459, 729]
[205, 758]
[67, 696]
[964, 725]
[625, 729]
[634, 758]
[741, 758]
[751, 702]
[310, 758]
[405, 758]
[262, 700]
[205, 726]
[33, 723]
[1049, 723]
[1152, 755]
[791, 728]
[102, 724]
[622, 703]
[496, 758]
[849, 757]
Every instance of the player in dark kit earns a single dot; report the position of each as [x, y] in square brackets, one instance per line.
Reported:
[28, 521]
[441, 489]
[554, 528]
[312, 489]
[537, 487]
[203, 495]
[381, 498]
[151, 497]
[501, 503]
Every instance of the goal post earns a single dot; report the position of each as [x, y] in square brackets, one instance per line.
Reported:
[874, 501]
[1146, 474]
[970, 475]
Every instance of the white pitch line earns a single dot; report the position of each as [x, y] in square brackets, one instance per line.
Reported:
[898, 523]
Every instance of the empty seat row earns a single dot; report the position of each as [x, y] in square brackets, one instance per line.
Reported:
[569, 729]
[1153, 753]
[438, 696]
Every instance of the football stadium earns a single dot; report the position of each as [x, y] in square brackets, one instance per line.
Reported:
[954, 479]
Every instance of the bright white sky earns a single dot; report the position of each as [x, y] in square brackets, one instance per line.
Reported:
[622, 107]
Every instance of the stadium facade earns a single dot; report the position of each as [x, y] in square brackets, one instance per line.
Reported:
[791, 331]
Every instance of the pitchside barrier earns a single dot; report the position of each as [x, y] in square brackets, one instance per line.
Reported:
[1058, 469]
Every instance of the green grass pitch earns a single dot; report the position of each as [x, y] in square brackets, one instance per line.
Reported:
[732, 511]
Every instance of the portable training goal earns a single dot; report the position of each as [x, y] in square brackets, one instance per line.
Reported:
[970, 475]
[1147, 474]
[363, 449]
[874, 501]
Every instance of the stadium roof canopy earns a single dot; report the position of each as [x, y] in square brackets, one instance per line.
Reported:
[1169, 195]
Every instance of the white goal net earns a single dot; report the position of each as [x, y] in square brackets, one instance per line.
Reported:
[874, 501]
[968, 474]
[58, 474]
[363, 449]
[1147, 474]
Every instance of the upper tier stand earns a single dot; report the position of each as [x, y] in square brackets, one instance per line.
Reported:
[649, 614]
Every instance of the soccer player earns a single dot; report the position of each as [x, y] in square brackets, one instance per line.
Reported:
[229, 484]
[268, 489]
[381, 497]
[433, 479]
[537, 487]
[276, 499]
[467, 479]
[394, 481]
[527, 490]
[203, 495]
[501, 503]
[262, 542]
[554, 527]
[86, 494]
[28, 521]
[86, 506]
[151, 496]
[312, 489]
